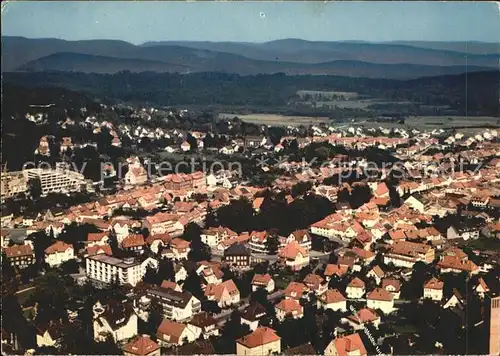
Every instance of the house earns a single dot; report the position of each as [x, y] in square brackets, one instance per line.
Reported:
[315, 283]
[225, 293]
[157, 242]
[346, 346]
[20, 255]
[263, 341]
[393, 286]
[433, 289]
[295, 290]
[180, 248]
[237, 255]
[134, 242]
[252, 315]
[481, 287]
[302, 237]
[362, 317]
[185, 146]
[456, 264]
[263, 281]
[136, 175]
[289, 308]
[98, 249]
[381, 191]
[162, 223]
[335, 270]
[215, 235]
[294, 255]
[415, 203]
[174, 333]
[141, 346]
[177, 305]
[49, 334]
[376, 273]
[332, 299]
[455, 300]
[381, 299]
[58, 253]
[97, 238]
[462, 232]
[116, 318]
[203, 324]
[355, 289]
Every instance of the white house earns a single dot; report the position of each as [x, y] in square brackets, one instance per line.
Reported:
[116, 319]
[225, 293]
[203, 324]
[355, 288]
[58, 253]
[174, 333]
[350, 345]
[263, 341]
[381, 299]
[263, 281]
[289, 308]
[332, 299]
[433, 289]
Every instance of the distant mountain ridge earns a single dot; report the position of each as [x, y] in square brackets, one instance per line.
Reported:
[290, 56]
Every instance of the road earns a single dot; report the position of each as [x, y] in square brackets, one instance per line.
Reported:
[224, 315]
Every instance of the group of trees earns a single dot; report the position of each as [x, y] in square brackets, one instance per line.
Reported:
[271, 91]
[275, 213]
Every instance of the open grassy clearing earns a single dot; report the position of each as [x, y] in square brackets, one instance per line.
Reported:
[278, 120]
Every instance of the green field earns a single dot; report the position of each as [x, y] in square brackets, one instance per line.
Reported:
[278, 120]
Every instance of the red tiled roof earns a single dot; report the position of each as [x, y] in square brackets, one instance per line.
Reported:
[380, 294]
[332, 296]
[261, 336]
[141, 345]
[349, 344]
[434, 283]
[133, 241]
[59, 246]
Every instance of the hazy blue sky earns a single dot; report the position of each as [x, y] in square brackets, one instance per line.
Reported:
[142, 21]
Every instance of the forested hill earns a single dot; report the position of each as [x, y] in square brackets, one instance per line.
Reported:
[271, 91]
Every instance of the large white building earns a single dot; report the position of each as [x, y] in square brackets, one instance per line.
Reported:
[56, 180]
[106, 269]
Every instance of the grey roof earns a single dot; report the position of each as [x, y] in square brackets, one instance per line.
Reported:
[237, 250]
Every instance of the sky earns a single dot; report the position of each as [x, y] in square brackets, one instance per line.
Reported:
[142, 21]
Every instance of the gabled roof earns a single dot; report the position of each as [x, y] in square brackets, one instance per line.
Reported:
[349, 344]
[253, 312]
[171, 328]
[335, 269]
[260, 337]
[356, 283]
[434, 283]
[203, 320]
[332, 296]
[289, 306]
[58, 247]
[380, 294]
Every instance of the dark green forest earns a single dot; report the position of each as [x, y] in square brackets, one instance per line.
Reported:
[271, 92]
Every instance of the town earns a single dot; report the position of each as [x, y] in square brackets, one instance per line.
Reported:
[329, 239]
[250, 178]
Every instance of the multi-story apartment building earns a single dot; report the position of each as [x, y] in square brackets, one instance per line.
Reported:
[56, 180]
[106, 269]
[185, 181]
[12, 183]
[176, 305]
[20, 255]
